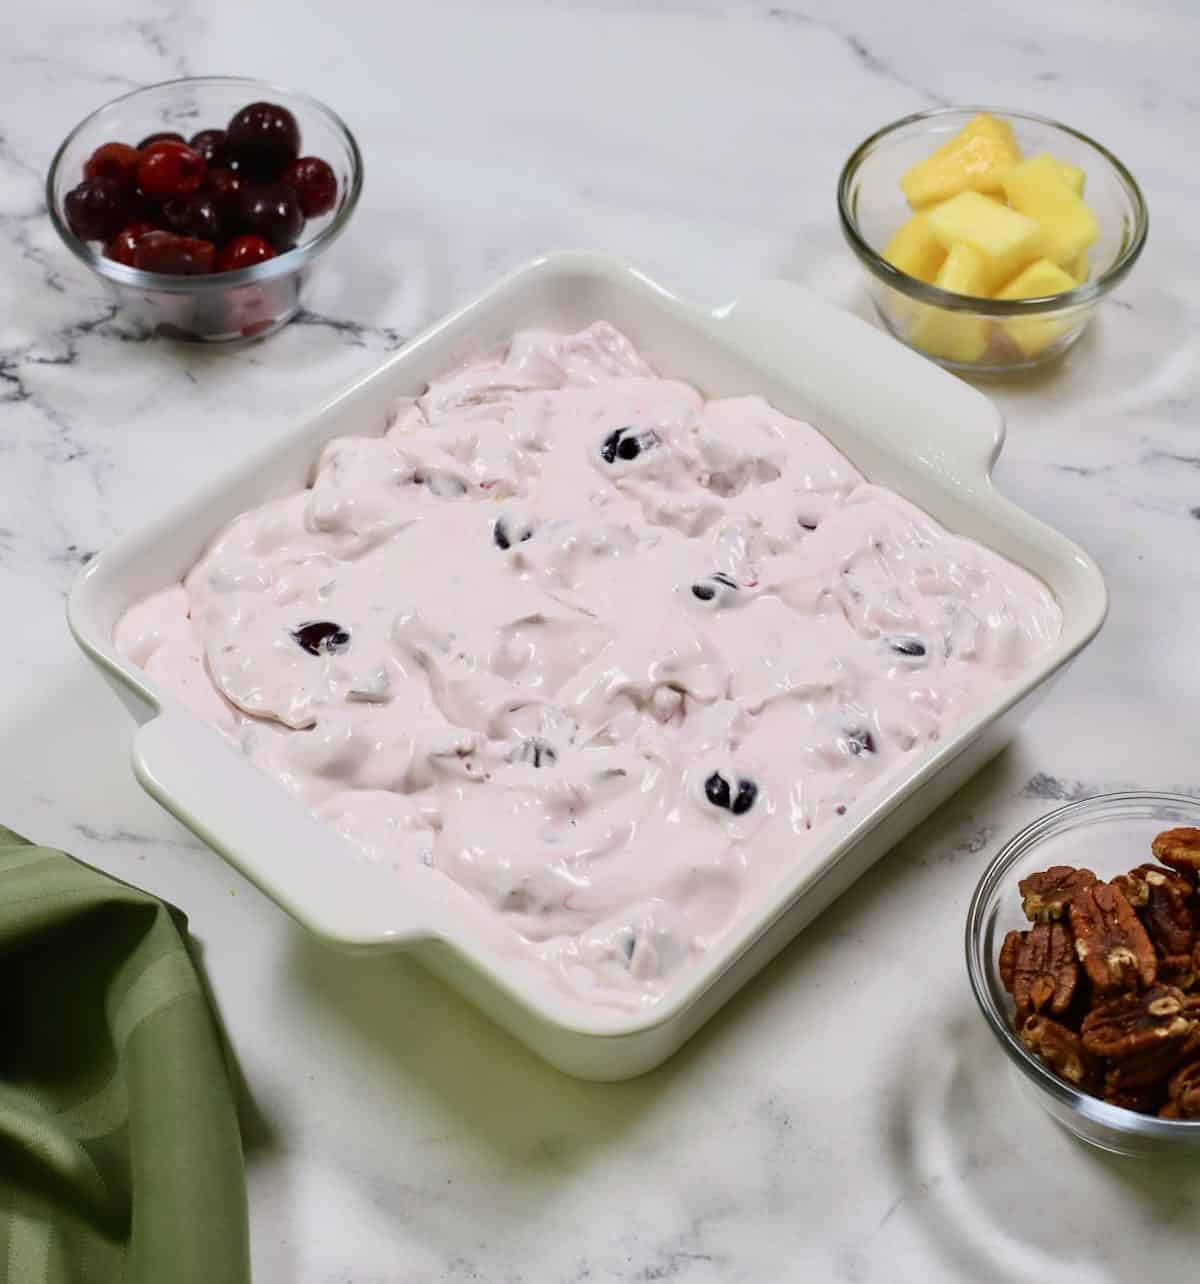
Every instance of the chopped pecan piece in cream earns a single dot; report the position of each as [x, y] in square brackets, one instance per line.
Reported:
[1044, 896]
[1038, 968]
[1179, 848]
[1110, 940]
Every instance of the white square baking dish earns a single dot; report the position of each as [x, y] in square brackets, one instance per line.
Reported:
[902, 421]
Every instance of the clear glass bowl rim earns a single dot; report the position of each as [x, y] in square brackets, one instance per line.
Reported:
[1082, 1103]
[1087, 292]
[282, 265]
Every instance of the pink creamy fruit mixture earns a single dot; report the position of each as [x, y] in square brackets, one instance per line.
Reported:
[607, 655]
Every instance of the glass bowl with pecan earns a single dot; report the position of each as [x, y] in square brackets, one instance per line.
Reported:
[1083, 949]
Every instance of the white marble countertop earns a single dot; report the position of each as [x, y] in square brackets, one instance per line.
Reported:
[848, 1118]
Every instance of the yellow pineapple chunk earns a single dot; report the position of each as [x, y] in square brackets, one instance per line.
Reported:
[1006, 239]
[1079, 267]
[915, 250]
[954, 336]
[975, 159]
[1038, 189]
[1074, 176]
[957, 336]
[1038, 280]
[965, 271]
[1034, 334]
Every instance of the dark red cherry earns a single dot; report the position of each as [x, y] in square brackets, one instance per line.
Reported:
[117, 161]
[716, 790]
[243, 252]
[263, 139]
[273, 213]
[174, 255]
[321, 637]
[212, 144]
[197, 216]
[122, 246]
[743, 800]
[314, 183]
[160, 138]
[96, 209]
[170, 169]
[224, 187]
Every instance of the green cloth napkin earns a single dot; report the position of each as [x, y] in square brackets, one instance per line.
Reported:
[119, 1151]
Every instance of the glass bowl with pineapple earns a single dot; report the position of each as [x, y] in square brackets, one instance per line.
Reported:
[989, 237]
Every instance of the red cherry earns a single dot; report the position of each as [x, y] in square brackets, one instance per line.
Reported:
[175, 255]
[201, 254]
[163, 144]
[211, 144]
[167, 137]
[224, 187]
[170, 169]
[257, 327]
[122, 246]
[273, 213]
[314, 183]
[197, 216]
[244, 252]
[96, 209]
[117, 161]
[263, 138]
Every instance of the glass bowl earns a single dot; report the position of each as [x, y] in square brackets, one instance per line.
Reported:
[253, 301]
[1109, 834]
[1018, 333]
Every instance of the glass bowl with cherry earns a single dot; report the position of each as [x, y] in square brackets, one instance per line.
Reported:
[205, 204]
[1083, 950]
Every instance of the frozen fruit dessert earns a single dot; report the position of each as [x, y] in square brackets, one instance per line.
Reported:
[608, 655]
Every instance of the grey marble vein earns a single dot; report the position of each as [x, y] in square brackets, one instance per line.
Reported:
[379, 337]
[1042, 785]
[863, 53]
[130, 838]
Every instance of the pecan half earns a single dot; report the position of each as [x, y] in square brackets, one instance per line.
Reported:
[1039, 968]
[1163, 901]
[1110, 940]
[1179, 848]
[1183, 1094]
[1147, 1069]
[1044, 896]
[1133, 886]
[1164, 1035]
[1134, 1025]
[1060, 1048]
[1007, 962]
[1145, 1101]
[1178, 970]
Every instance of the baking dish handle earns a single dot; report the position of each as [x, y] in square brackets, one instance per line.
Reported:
[309, 869]
[842, 361]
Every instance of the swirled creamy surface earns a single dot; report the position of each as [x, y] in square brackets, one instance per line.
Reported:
[608, 655]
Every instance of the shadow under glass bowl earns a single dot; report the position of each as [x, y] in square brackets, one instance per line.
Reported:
[961, 332]
[224, 306]
[1109, 834]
